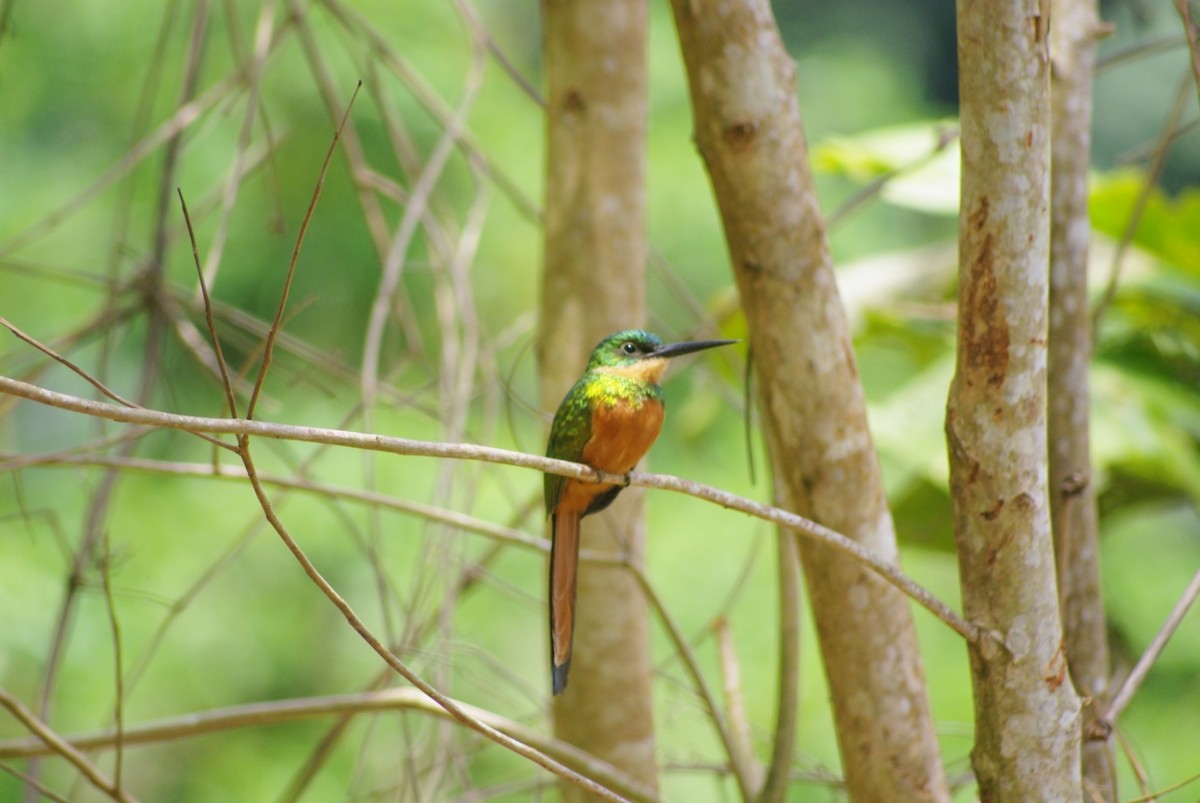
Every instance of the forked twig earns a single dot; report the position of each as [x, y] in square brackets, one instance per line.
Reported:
[226, 384]
[273, 332]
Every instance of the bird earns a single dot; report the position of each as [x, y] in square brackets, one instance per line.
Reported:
[608, 420]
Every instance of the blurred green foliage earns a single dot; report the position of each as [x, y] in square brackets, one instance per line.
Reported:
[81, 88]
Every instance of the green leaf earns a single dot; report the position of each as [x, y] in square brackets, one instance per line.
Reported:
[1146, 428]
[918, 163]
[1169, 227]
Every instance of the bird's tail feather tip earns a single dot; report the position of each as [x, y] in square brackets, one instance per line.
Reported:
[558, 674]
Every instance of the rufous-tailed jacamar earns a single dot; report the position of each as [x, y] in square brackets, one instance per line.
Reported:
[608, 420]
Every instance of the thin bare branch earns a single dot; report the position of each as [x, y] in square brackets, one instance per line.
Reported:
[775, 785]
[462, 521]
[280, 711]
[184, 116]
[91, 380]
[1189, 31]
[226, 383]
[114, 625]
[1135, 764]
[54, 355]
[1161, 148]
[737, 758]
[451, 706]
[414, 210]
[1142, 49]
[1175, 787]
[465, 451]
[263, 36]
[276, 325]
[740, 742]
[356, 23]
[33, 783]
[55, 744]
[1134, 681]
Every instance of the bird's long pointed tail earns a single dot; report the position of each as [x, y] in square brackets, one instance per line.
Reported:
[564, 563]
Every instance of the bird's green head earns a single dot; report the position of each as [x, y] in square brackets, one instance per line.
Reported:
[640, 354]
[623, 349]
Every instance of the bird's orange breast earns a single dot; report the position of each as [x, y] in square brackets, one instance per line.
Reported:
[622, 433]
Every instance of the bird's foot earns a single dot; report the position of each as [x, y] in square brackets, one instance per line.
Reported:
[627, 479]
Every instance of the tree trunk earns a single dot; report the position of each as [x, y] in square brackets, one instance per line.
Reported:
[594, 284]
[749, 133]
[1072, 491]
[1026, 712]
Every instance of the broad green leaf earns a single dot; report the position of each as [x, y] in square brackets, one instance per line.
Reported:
[1146, 428]
[918, 163]
[1169, 227]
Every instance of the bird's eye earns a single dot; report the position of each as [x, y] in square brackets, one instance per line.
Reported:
[629, 347]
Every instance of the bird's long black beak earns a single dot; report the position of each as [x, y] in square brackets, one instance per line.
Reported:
[676, 349]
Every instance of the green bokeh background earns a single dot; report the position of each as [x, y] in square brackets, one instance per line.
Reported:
[875, 85]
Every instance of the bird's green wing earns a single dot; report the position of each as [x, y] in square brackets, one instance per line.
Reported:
[569, 433]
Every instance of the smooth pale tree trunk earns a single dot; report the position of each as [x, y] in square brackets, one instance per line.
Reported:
[1072, 490]
[1027, 724]
[594, 284]
[749, 133]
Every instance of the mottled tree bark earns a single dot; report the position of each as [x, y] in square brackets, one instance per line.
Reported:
[749, 133]
[1072, 491]
[1027, 730]
[594, 284]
